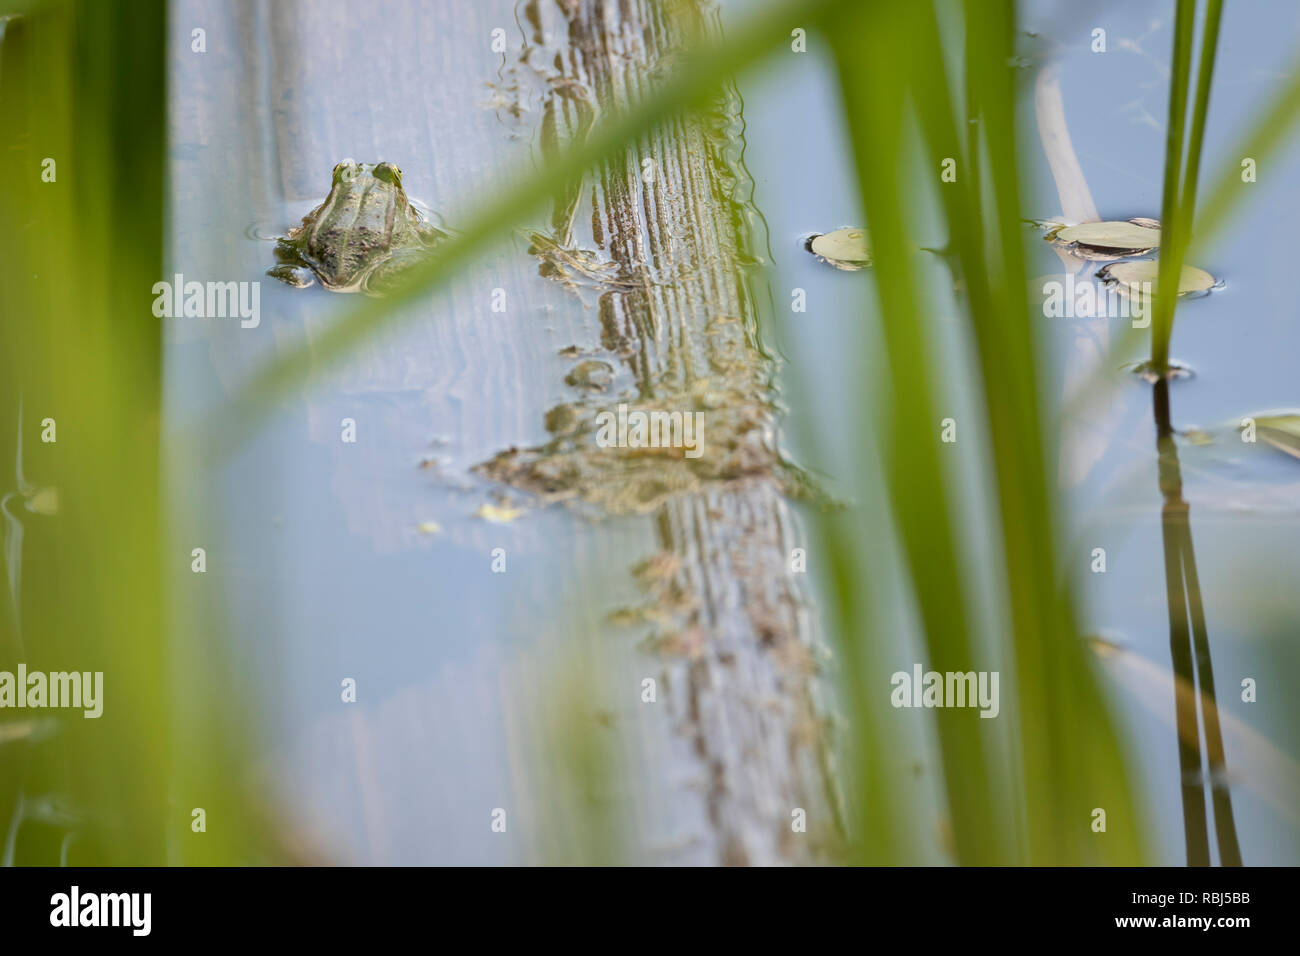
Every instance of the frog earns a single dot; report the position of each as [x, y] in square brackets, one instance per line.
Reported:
[363, 237]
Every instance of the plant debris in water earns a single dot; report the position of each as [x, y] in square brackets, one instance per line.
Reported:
[1108, 240]
[592, 374]
[1127, 278]
[735, 440]
[501, 513]
[1281, 431]
[1148, 372]
[847, 249]
[575, 267]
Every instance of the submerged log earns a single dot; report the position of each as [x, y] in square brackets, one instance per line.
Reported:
[661, 237]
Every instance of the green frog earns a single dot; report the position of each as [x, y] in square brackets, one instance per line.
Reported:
[361, 238]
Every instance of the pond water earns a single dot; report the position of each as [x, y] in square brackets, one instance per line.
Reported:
[317, 541]
[1245, 500]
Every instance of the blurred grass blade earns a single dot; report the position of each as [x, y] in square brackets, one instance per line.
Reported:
[92, 595]
[1171, 206]
[1200, 111]
[1071, 760]
[85, 175]
[1269, 132]
[1069, 751]
[874, 71]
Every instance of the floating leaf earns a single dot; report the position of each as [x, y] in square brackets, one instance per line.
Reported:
[1141, 234]
[1128, 277]
[498, 514]
[1280, 431]
[843, 248]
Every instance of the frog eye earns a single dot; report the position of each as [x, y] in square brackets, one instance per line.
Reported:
[345, 171]
[388, 173]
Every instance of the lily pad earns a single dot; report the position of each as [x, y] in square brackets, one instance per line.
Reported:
[846, 248]
[1128, 277]
[1141, 234]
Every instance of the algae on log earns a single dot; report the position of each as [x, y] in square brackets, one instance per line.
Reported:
[667, 256]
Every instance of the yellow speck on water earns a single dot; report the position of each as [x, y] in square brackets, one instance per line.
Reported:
[428, 527]
[498, 514]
